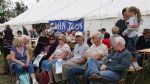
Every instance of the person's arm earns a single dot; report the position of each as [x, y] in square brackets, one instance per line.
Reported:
[51, 57]
[97, 56]
[81, 61]
[28, 58]
[63, 55]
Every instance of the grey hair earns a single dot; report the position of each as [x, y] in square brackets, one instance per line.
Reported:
[120, 40]
[98, 35]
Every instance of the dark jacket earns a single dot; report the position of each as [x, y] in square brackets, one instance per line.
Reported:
[118, 61]
[41, 44]
[121, 24]
[52, 48]
[142, 43]
[8, 34]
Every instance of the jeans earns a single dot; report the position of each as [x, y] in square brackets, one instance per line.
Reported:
[19, 69]
[140, 59]
[93, 66]
[72, 72]
[131, 46]
[47, 65]
[107, 75]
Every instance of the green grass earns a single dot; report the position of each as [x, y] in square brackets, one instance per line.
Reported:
[5, 79]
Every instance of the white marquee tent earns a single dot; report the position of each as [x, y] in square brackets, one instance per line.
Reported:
[97, 13]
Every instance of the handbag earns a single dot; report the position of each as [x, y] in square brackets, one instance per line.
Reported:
[24, 78]
[44, 78]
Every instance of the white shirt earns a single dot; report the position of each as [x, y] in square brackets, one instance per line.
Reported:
[102, 49]
[79, 51]
[59, 50]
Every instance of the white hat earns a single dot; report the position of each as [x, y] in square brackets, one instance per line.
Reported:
[78, 33]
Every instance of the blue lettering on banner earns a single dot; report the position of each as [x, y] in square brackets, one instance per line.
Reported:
[66, 25]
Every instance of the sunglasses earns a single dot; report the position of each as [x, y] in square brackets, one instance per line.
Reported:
[51, 39]
[93, 37]
[59, 39]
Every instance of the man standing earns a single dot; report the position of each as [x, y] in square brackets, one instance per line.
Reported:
[113, 67]
[97, 51]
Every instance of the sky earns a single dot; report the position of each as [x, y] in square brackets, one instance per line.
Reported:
[29, 3]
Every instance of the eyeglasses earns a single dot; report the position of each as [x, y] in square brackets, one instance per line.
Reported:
[59, 39]
[93, 37]
[51, 39]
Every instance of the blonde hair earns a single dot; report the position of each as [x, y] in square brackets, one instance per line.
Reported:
[26, 37]
[63, 38]
[18, 42]
[136, 11]
[115, 30]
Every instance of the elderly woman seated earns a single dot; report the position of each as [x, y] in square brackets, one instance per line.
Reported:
[62, 51]
[20, 56]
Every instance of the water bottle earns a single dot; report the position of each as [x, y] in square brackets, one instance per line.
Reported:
[58, 66]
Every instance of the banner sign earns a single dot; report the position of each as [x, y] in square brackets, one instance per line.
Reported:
[66, 25]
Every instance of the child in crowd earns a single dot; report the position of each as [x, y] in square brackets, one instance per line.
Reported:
[132, 31]
[115, 31]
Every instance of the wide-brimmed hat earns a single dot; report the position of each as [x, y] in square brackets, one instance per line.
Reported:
[146, 31]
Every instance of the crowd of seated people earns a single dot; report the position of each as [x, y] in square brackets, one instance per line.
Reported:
[94, 62]
[101, 56]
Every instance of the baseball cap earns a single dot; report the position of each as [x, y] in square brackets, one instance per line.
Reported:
[78, 33]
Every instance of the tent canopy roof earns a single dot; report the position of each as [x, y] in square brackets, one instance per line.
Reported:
[47, 10]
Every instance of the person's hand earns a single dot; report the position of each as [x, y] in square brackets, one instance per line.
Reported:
[24, 65]
[27, 64]
[87, 55]
[44, 53]
[103, 67]
[76, 62]
[50, 59]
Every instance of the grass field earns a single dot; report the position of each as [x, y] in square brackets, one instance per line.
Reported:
[5, 79]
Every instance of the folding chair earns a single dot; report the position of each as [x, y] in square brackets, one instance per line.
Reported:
[138, 71]
[10, 68]
[122, 80]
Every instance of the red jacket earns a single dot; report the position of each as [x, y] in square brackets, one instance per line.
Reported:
[106, 41]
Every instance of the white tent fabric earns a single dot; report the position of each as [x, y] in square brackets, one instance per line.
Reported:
[47, 10]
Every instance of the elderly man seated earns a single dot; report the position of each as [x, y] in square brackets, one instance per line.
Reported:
[114, 65]
[97, 51]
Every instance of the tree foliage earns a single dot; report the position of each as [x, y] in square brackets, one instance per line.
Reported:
[20, 8]
[8, 9]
